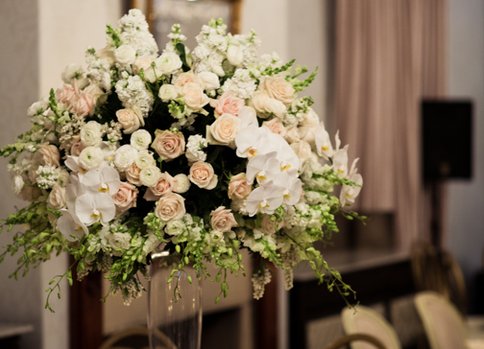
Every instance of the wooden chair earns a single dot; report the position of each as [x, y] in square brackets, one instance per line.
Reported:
[443, 323]
[364, 320]
[136, 338]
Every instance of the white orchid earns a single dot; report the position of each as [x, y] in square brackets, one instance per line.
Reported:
[92, 208]
[104, 179]
[349, 193]
[70, 227]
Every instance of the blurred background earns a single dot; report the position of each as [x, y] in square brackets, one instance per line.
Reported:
[403, 81]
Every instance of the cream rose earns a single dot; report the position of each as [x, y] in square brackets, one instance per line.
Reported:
[167, 92]
[227, 103]
[276, 126]
[222, 219]
[170, 207]
[132, 174]
[91, 134]
[209, 80]
[47, 154]
[266, 105]
[193, 96]
[168, 144]
[125, 198]
[57, 197]
[163, 186]
[203, 175]
[239, 188]
[278, 88]
[130, 119]
[223, 130]
[181, 183]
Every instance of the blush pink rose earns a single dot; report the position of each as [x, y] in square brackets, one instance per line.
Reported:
[239, 188]
[222, 219]
[227, 103]
[203, 175]
[168, 145]
[276, 126]
[170, 206]
[125, 198]
[132, 174]
[164, 185]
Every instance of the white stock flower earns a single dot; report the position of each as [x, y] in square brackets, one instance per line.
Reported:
[140, 139]
[194, 147]
[91, 134]
[124, 156]
[91, 157]
[18, 184]
[149, 176]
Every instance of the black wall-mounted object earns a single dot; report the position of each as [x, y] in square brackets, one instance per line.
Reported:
[446, 139]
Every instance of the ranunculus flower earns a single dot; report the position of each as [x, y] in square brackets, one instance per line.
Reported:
[235, 55]
[124, 156]
[91, 157]
[167, 92]
[239, 187]
[203, 175]
[223, 130]
[193, 96]
[209, 80]
[140, 139]
[91, 134]
[125, 54]
[181, 183]
[145, 159]
[168, 144]
[227, 103]
[278, 88]
[222, 219]
[125, 197]
[130, 119]
[166, 64]
[170, 207]
[47, 154]
[149, 176]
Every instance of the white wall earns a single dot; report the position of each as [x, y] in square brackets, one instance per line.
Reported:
[466, 79]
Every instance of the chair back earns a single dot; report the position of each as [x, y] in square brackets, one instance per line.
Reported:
[365, 320]
[443, 324]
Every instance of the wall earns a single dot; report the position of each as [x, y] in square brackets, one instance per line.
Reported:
[20, 301]
[465, 224]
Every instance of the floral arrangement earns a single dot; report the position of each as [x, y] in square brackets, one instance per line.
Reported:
[202, 153]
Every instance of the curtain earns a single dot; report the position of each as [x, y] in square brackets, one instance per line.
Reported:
[389, 54]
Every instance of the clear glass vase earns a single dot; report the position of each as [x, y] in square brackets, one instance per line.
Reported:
[174, 308]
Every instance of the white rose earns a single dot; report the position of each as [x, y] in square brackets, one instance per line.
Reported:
[145, 159]
[140, 139]
[193, 96]
[130, 119]
[266, 105]
[57, 197]
[91, 134]
[91, 157]
[125, 54]
[170, 207]
[167, 92]
[124, 156]
[209, 80]
[223, 130]
[235, 55]
[181, 183]
[149, 176]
